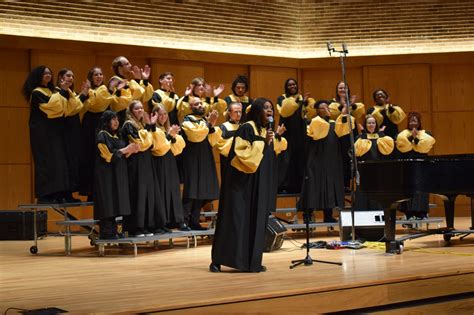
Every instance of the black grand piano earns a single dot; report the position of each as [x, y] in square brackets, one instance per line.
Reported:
[393, 181]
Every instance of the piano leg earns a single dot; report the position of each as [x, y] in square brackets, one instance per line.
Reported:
[449, 201]
[391, 245]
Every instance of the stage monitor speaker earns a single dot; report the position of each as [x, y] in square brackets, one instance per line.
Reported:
[18, 225]
[274, 234]
[369, 225]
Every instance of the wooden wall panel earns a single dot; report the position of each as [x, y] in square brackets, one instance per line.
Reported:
[15, 185]
[184, 72]
[268, 81]
[13, 72]
[15, 131]
[408, 85]
[453, 132]
[452, 87]
[321, 83]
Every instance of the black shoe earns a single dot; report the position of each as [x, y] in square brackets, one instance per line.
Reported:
[263, 268]
[197, 227]
[214, 267]
[183, 227]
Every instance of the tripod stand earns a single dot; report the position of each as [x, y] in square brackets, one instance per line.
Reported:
[307, 261]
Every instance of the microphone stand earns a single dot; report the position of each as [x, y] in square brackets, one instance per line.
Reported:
[355, 177]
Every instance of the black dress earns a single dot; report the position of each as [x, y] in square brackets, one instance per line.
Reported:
[111, 194]
[290, 162]
[247, 196]
[47, 144]
[323, 183]
[164, 150]
[148, 211]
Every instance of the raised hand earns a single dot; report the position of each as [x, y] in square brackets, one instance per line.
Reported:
[189, 90]
[153, 118]
[353, 98]
[281, 129]
[212, 118]
[170, 86]
[306, 96]
[145, 72]
[414, 132]
[86, 85]
[218, 90]
[174, 130]
[146, 118]
[136, 72]
[382, 128]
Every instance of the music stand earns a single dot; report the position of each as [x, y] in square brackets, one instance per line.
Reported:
[307, 261]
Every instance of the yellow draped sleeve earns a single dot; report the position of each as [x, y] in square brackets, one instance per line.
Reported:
[385, 145]
[425, 142]
[147, 92]
[288, 106]
[318, 128]
[168, 102]
[311, 112]
[362, 146]
[144, 140]
[99, 100]
[220, 105]
[280, 145]
[104, 152]
[161, 145]
[73, 105]
[358, 112]
[247, 155]
[195, 131]
[397, 115]
[378, 115]
[342, 128]
[178, 146]
[223, 146]
[55, 106]
[215, 136]
[137, 90]
[403, 143]
[119, 103]
[183, 108]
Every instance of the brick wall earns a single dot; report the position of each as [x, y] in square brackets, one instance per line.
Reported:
[296, 29]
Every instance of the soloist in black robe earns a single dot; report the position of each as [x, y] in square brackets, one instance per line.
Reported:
[47, 143]
[323, 183]
[145, 197]
[248, 193]
[111, 194]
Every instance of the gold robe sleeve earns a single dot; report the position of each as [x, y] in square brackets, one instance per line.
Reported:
[144, 140]
[121, 102]
[247, 155]
[99, 100]
[425, 142]
[178, 146]
[311, 112]
[195, 132]
[183, 108]
[362, 146]
[169, 103]
[104, 152]
[220, 105]
[378, 115]
[73, 105]
[288, 107]
[403, 143]
[280, 145]
[215, 136]
[318, 128]
[137, 89]
[55, 106]
[342, 128]
[161, 145]
[385, 145]
[397, 116]
[358, 112]
[147, 92]
[223, 145]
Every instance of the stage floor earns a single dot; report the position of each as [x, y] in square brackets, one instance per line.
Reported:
[177, 279]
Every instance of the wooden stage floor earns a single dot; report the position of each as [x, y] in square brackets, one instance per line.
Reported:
[177, 280]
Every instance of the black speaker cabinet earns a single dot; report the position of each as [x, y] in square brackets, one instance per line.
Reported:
[18, 225]
[274, 234]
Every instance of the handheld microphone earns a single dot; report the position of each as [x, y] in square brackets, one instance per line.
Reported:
[330, 48]
[271, 123]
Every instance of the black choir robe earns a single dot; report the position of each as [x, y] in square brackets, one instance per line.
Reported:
[293, 110]
[145, 196]
[111, 194]
[98, 101]
[199, 168]
[225, 142]
[389, 116]
[47, 143]
[165, 148]
[248, 194]
[323, 182]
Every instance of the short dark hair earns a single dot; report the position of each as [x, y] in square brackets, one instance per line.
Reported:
[105, 119]
[62, 72]
[255, 112]
[240, 79]
[33, 80]
[410, 116]
[379, 90]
